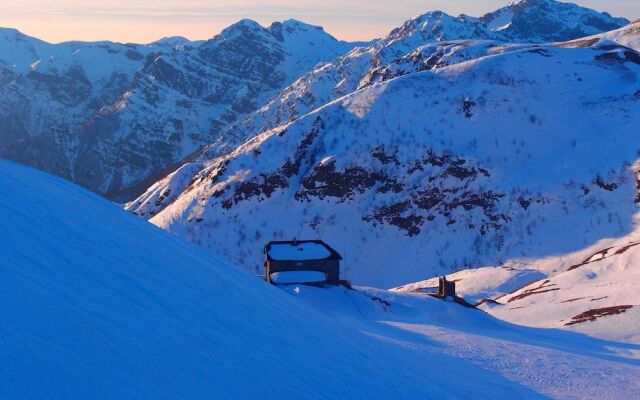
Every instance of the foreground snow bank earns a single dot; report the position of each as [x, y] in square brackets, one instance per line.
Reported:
[555, 363]
[96, 303]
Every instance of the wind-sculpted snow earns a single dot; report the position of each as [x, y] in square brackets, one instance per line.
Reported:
[525, 150]
[592, 290]
[111, 116]
[98, 304]
[554, 363]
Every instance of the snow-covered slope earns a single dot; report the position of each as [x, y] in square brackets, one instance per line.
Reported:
[110, 116]
[523, 150]
[627, 36]
[597, 294]
[117, 117]
[534, 21]
[554, 363]
[98, 304]
[593, 290]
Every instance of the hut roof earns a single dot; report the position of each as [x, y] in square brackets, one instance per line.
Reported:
[299, 250]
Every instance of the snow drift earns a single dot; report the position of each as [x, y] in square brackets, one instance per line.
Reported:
[98, 304]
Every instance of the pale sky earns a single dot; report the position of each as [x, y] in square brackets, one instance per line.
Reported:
[143, 21]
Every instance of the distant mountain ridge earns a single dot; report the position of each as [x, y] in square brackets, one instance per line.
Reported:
[109, 115]
[116, 117]
[549, 21]
[357, 68]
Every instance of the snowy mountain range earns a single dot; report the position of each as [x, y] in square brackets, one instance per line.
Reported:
[512, 144]
[356, 69]
[110, 116]
[116, 117]
[548, 21]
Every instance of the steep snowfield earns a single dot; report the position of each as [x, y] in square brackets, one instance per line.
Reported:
[556, 364]
[522, 150]
[98, 304]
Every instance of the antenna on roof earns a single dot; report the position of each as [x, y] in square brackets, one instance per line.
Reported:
[300, 230]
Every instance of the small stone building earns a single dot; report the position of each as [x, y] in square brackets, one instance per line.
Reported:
[302, 255]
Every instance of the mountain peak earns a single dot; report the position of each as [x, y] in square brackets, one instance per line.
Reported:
[243, 26]
[548, 21]
[16, 35]
[293, 27]
[436, 26]
[245, 23]
[297, 24]
[171, 41]
[244, 29]
[514, 3]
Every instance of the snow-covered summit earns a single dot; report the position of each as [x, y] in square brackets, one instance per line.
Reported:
[548, 21]
[245, 26]
[174, 41]
[526, 21]
[430, 27]
[292, 25]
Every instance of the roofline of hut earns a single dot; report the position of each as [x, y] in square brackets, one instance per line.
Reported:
[334, 254]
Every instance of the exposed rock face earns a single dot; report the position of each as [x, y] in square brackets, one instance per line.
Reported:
[111, 116]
